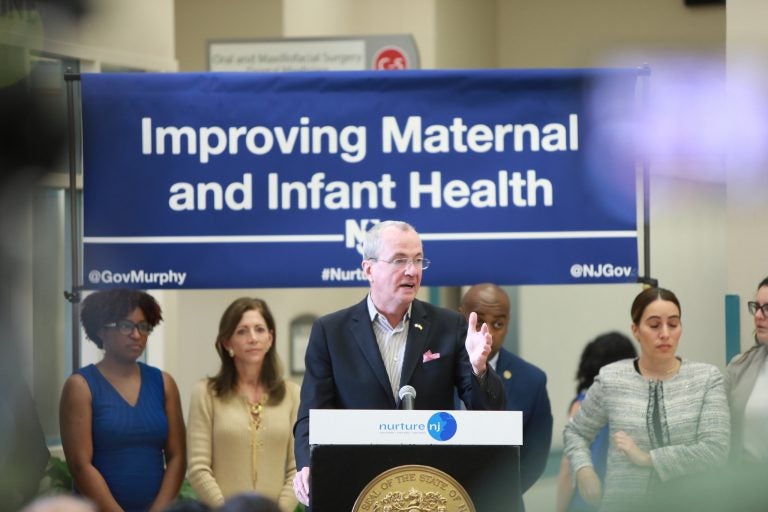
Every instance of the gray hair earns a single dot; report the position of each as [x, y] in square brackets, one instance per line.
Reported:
[60, 503]
[372, 242]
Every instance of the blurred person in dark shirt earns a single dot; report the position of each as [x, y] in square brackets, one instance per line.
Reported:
[32, 142]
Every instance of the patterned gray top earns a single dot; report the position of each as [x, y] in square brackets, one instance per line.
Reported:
[694, 423]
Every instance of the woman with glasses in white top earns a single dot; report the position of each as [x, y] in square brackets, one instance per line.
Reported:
[746, 380]
[122, 428]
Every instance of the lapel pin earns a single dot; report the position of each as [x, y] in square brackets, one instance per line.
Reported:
[418, 326]
[507, 374]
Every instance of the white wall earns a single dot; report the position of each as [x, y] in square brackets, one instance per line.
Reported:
[747, 179]
[563, 33]
[555, 322]
[304, 18]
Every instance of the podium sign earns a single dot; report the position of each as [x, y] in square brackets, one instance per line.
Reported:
[371, 426]
[376, 460]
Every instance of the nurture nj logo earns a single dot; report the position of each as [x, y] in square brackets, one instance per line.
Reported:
[441, 426]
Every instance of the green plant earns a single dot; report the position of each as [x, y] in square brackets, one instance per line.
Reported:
[56, 479]
[186, 492]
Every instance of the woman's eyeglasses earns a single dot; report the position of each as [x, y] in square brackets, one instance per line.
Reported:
[126, 327]
[753, 307]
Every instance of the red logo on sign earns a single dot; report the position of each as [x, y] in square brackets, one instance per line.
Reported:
[390, 57]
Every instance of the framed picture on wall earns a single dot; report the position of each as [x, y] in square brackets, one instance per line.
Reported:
[300, 328]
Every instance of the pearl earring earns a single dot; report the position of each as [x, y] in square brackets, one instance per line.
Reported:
[231, 352]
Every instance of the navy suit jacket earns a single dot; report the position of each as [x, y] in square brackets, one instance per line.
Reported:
[526, 388]
[344, 368]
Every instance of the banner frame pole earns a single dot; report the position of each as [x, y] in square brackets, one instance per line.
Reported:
[73, 295]
[644, 73]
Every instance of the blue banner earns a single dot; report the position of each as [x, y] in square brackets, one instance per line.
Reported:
[246, 180]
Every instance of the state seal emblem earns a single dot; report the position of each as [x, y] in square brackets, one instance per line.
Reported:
[413, 488]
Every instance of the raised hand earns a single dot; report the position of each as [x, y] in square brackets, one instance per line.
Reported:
[478, 344]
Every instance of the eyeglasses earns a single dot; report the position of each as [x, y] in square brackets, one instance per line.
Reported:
[126, 327]
[400, 263]
[754, 306]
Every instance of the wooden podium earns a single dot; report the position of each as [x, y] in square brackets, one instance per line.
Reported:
[379, 460]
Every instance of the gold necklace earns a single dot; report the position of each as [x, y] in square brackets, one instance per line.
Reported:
[254, 417]
[255, 410]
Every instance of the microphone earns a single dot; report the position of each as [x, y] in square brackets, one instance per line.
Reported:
[407, 398]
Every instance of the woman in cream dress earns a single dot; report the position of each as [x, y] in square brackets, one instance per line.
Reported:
[240, 429]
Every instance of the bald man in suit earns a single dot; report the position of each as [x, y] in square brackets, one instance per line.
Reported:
[525, 385]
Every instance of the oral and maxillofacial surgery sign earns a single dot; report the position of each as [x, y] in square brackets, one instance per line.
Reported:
[238, 180]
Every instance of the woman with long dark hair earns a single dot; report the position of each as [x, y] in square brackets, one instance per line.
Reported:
[241, 420]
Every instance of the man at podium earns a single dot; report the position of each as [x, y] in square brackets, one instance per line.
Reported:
[361, 356]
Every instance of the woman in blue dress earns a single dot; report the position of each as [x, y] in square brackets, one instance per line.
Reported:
[122, 427]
